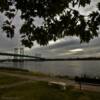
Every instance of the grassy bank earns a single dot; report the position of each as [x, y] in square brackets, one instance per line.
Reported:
[39, 90]
[27, 72]
[42, 91]
[23, 72]
[7, 80]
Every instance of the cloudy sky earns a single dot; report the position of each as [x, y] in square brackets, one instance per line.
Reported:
[63, 48]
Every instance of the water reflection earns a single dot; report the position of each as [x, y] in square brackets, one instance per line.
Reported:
[18, 64]
[69, 68]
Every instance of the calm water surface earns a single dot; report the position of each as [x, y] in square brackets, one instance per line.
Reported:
[68, 68]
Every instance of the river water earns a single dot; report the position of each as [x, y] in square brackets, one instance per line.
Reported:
[64, 68]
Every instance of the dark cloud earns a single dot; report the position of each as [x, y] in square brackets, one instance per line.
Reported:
[61, 48]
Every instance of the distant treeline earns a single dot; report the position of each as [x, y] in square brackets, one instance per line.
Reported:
[64, 59]
[52, 59]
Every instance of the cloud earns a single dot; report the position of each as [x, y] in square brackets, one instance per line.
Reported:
[66, 47]
[70, 47]
[76, 50]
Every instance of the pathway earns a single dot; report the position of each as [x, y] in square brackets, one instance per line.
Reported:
[48, 79]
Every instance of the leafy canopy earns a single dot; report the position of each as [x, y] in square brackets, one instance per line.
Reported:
[60, 19]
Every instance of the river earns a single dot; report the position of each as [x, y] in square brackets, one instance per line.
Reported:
[64, 68]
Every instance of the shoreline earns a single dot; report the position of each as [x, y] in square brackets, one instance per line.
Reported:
[46, 78]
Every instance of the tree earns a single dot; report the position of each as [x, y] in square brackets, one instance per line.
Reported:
[60, 19]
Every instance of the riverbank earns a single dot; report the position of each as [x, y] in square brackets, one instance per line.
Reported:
[32, 87]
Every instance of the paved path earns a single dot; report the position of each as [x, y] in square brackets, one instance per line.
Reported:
[38, 78]
[48, 79]
[30, 78]
[15, 84]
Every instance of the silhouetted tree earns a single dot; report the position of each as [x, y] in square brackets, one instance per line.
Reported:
[60, 19]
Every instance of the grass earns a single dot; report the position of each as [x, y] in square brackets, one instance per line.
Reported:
[23, 72]
[7, 80]
[39, 90]
[27, 72]
[42, 91]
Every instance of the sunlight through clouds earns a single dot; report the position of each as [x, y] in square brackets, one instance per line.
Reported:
[71, 52]
[76, 50]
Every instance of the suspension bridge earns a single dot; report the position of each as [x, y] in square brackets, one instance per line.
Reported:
[26, 57]
[35, 58]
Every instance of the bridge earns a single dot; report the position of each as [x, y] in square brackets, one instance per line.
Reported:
[35, 58]
[29, 57]
[19, 55]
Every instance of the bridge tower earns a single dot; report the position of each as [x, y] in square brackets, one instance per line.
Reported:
[21, 53]
[16, 52]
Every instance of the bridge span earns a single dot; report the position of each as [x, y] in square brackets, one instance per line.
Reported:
[20, 55]
[35, 58]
